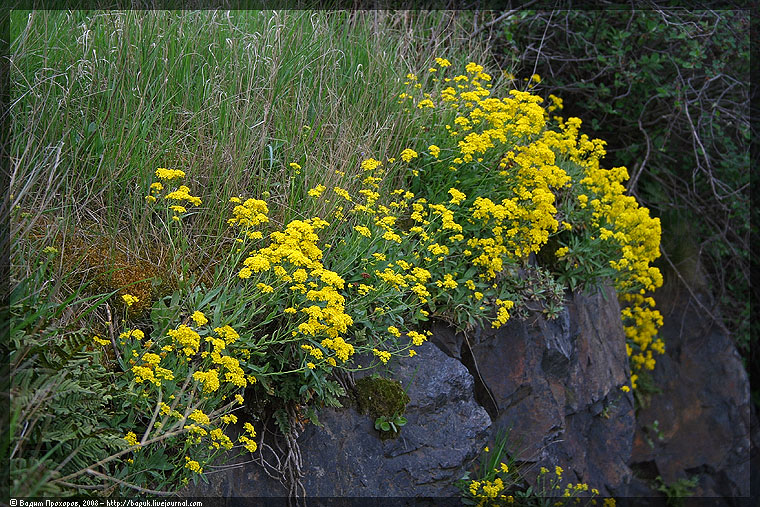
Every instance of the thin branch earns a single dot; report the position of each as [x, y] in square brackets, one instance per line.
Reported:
[501, 17]
[125, 451]
[155, 414]
[110, 332]
[543, 37]
[129, 485]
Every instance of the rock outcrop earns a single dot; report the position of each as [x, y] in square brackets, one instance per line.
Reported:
[555, 386]
[703, 411]
[446, 430]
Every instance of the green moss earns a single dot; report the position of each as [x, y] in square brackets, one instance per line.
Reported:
[378, 396]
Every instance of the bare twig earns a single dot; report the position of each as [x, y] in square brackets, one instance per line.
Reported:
[111, 333]
[543, 38]
[155, 414]
[501, 17]
[125, 451]
[129, 485]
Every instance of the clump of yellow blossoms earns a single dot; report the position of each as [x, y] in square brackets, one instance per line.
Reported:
[178, 195]
[182, 378]
[540, 163]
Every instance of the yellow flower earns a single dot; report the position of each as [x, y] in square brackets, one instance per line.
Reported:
[382, 354]
[100, 341]
[169, 174]
[131, 438]
[199, 318]
[266, 289]
[209, 380]
[317, 191]
[129, 299]
[417, 338]
[183, 194]
[394, 331]
[199, 417]
[456, 196]
[370, 164]
[193, 465]
[364, 231]
[408, 154]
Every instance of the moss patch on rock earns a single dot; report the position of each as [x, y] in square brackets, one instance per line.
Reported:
[378, 397]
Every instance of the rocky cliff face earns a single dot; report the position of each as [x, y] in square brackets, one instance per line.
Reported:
[702, 416]
[555, 385]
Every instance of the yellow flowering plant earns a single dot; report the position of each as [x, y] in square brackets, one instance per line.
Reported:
[531, 193]
[182, 377]
[500, 480]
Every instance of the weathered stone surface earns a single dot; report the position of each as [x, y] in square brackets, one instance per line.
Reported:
[446, 430]
[703, 412]
[555, 385]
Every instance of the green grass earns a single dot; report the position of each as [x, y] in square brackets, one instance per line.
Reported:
[101, 99]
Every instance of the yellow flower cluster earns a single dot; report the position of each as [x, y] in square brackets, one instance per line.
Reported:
[247, 440]
[193, 465]
[131, 438]
[487, 489]
[619, 219]
[251, 213]
[129, 299]
[293, 257]
[100, 341]
[383, 355]
[531, 154]
[180, 194]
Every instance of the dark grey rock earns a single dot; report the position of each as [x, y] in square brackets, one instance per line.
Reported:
[446, 430]
[555, 386]
[703, 412]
